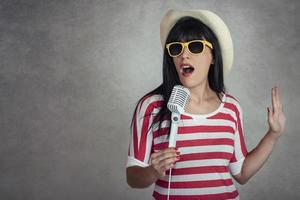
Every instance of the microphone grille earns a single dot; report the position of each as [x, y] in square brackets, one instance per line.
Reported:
[178, 99]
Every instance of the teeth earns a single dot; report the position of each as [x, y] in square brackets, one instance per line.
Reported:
[186, 69]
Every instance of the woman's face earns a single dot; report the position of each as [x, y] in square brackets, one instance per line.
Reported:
[199, 66]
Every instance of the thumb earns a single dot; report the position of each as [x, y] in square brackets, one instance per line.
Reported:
[270, 112]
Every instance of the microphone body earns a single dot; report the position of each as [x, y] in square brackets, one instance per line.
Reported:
[174, 129]
[176, 104]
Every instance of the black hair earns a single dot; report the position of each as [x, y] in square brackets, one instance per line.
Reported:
[186, 29]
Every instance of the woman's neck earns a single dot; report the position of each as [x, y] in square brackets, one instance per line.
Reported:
[201, 93]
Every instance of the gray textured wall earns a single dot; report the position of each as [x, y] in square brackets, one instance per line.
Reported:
[72, 71]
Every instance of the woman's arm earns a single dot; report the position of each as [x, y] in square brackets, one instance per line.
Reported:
[140, 177]
[258, 156]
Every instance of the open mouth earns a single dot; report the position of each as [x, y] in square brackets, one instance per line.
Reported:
[186, 69]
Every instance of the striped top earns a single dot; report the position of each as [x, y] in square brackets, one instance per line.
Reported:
[211, 147]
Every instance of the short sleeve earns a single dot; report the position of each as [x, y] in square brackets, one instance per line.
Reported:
[141, 140]
[240, 150]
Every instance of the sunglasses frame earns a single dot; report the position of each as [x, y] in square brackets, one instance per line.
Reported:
[185, 44]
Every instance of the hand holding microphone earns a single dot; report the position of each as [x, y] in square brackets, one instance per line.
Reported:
[163, 160]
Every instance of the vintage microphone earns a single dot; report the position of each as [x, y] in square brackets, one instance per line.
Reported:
[176, 104]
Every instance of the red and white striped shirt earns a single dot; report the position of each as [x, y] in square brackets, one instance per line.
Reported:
[211, 148]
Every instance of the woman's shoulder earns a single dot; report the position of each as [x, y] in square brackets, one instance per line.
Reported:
[153, 97]
[233, 100]
[151, 101]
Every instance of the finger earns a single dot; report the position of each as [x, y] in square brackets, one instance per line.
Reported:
[278, 98]
[160, 155]
[155, 154]
[278, 105]
[167, 164]
[270, 113]
[272, 97]
[159, 171]
[170, 149]
[274, 104]
[168, 161]
[166, 168]
[164, 150]
[165, 156]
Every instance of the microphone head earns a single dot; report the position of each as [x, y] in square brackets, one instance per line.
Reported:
[178, 99]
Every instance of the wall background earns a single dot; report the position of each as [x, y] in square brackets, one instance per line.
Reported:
[72, 71]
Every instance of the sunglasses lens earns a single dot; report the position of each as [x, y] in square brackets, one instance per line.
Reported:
[196, 47]
[175, 49]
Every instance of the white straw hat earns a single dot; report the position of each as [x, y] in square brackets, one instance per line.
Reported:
[210, 19]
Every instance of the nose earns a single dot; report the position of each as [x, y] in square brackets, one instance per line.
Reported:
[185, 53]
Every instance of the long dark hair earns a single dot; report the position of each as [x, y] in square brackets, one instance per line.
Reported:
[186, 29]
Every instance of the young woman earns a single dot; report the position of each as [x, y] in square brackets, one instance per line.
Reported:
[210, 147]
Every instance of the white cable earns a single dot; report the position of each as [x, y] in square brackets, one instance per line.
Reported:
[169, 184]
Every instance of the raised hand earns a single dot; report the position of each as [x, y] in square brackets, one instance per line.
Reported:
[276, 116]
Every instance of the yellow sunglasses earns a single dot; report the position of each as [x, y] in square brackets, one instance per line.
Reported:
[194, 47]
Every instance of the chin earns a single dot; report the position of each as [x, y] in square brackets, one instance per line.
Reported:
[188, 84]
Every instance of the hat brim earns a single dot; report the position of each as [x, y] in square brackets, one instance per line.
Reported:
[210, 19]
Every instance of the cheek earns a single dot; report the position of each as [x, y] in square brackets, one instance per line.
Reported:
[176, 63]
[202, 63]
[205, 61]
